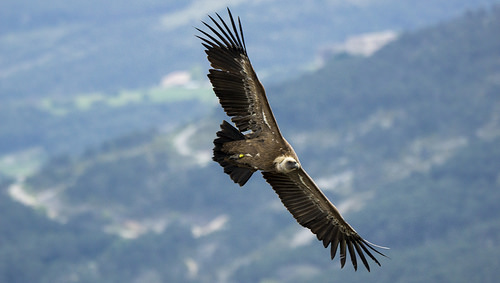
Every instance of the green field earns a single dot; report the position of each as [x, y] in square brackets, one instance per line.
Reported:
[83, 102]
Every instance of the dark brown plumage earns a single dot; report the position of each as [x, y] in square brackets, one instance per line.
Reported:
[257, 144]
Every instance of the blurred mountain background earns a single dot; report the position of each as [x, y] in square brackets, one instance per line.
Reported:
[108, 121]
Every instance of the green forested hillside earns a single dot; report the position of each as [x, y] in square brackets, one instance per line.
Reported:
[62, 48]
[404, 142]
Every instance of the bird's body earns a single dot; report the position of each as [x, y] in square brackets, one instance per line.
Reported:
[258, 152]
[256, 144]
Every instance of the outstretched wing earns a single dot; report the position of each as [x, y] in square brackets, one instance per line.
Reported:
[233, 78]
[310, 207]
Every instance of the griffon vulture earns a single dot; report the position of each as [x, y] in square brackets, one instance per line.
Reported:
[257, 144]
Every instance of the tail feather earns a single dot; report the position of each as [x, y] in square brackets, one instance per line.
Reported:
[228, 133]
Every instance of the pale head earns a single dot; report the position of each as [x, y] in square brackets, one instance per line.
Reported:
[286, 164]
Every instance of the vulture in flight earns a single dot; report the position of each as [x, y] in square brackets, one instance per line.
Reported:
[256, 143]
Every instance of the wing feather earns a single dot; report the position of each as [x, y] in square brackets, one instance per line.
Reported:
[233, 78]
[361, 255]
[352, 254]
[343, 254]
[310, 207]
[334, 245]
